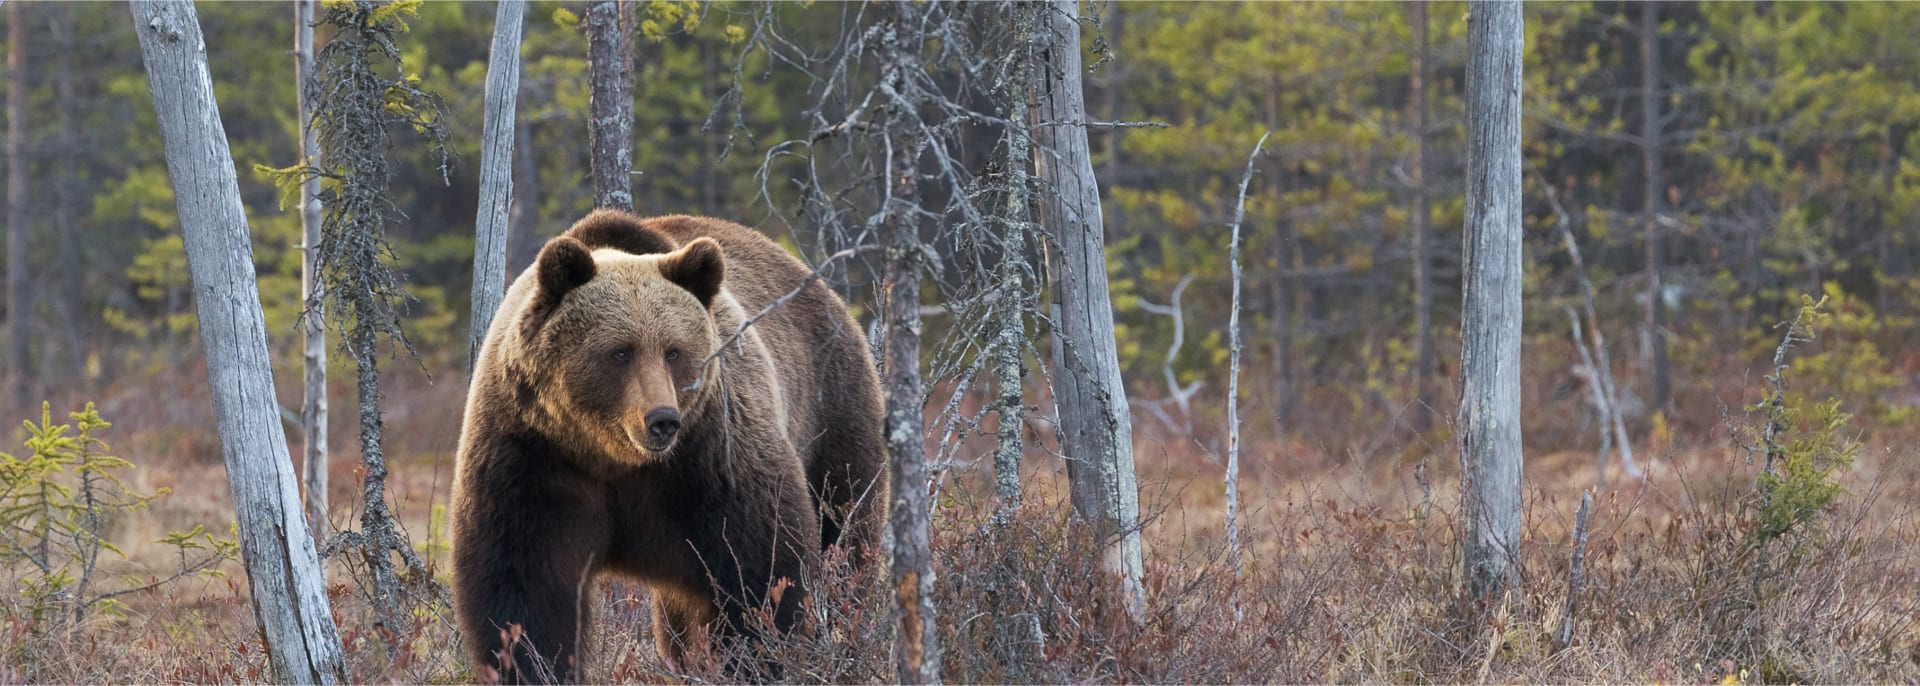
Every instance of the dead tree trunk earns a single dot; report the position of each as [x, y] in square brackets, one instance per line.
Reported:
[496, 174]
[1423, 366]
[1233, 378]
[916, 638]
[1650, 161]
[283, 570]
[19, 311]
[313, 324]
[1018, 639]
[1096, 431]
[610, 101]
[352, 124]
[1489, 422]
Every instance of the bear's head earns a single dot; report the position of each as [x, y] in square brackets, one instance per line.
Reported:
[617, 343]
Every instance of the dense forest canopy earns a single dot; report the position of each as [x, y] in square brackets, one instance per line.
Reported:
[1785, 166]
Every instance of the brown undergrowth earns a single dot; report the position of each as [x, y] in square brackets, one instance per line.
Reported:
[1349, 575]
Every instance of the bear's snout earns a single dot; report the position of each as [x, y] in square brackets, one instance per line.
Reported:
[663, 423]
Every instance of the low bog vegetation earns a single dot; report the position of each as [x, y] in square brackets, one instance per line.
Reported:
[1785, 553]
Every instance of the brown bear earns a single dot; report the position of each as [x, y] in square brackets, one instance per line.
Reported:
[604, 433]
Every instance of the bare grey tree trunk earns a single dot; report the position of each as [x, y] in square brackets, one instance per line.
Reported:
[1018, 638]
[1489, 423]
[19, 309]
[610, 96]
[313, 323]
[496, 174]
[1423, 366]
[1657, 365]
[1233, 379]
[1010, 350]
[916, 641]
[283, 570]
[1096, 431]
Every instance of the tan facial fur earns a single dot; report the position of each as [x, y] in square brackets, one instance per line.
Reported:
[627, 347]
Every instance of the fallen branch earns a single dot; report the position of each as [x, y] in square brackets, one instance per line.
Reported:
[1180, 396]
[1610, 415]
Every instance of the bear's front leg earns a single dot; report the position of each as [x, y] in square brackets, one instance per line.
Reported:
[526, 544]
[762, 574]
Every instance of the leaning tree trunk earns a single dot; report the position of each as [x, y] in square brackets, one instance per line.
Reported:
[610, 101]
[313, 325]
[1096, 433]
[496, 174]
[18, 314]
[283, 570]
[1490, 457]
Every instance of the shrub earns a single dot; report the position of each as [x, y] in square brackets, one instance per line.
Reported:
[57, 506]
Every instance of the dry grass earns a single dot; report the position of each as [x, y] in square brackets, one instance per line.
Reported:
[1349, 576]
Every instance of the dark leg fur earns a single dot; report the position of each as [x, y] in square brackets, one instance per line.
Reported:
[524, 553]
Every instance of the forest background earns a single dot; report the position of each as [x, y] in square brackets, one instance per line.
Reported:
[1781, 161]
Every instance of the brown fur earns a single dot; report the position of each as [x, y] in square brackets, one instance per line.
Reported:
[779, 455]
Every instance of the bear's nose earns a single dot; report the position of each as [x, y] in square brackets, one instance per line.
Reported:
[662, 424]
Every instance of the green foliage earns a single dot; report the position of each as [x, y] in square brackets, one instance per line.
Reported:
[1803, 443]
[58, 505]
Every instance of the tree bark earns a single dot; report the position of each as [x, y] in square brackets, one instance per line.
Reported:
[72, 303]
[610, 129]
[1096, 429]
[496, 174]
[19, 308]
[283, 570]
[916, 636]
[1423, 366]
[1650, 158]
[313, 324]
[1489, 421]
[1233, 380]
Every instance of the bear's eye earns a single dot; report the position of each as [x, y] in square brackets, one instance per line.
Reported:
[622, 356]
[673, 355]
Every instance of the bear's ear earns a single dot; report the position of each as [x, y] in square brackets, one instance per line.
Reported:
[563, 265]
[620, 231]
[699, 267]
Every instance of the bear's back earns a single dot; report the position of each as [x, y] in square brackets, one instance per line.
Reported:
[817, 348]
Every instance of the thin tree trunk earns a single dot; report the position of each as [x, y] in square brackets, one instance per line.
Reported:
[1095, 426]
[496, 174]
[610, 101]
[523, 226]
[1018, 637]
[1489, 421]
[73, 303]
[283, 570]
[1233, 380]
[313, 325]
[916, 636]
[1423, 366]
[19, 308]
[1650, 158]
